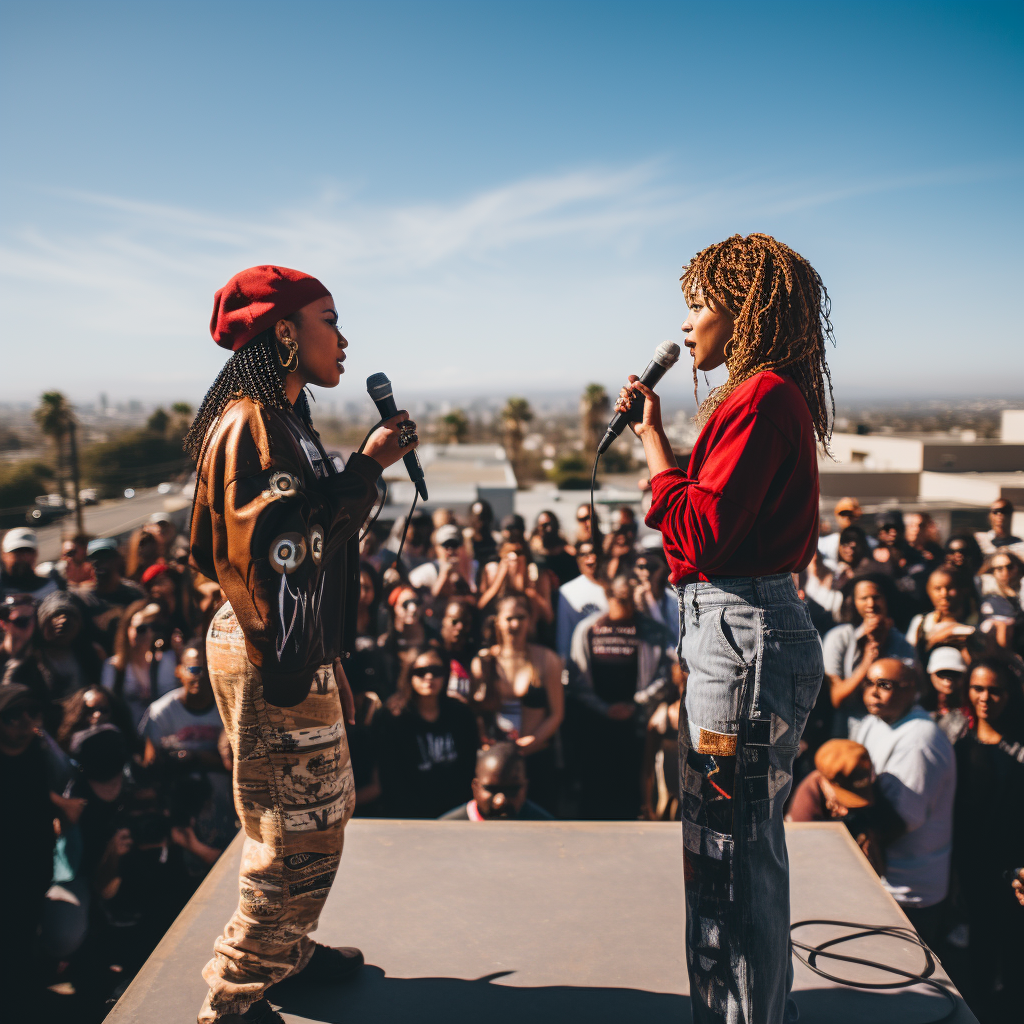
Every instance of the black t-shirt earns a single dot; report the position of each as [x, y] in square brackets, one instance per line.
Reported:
[426, 768]
[614, 648]
[26, 853]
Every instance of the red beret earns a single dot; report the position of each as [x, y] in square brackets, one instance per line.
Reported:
[156, 569]
[255, 299]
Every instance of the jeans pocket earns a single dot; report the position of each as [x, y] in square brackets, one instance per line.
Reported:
[735, 632]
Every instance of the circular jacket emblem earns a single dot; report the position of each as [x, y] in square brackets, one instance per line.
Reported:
[316, 543]
[287, 552]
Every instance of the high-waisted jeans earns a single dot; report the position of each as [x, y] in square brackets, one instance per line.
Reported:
[755, 668]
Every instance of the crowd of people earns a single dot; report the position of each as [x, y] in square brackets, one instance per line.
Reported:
[501, 673]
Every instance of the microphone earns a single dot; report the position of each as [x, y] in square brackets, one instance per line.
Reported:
[378, 387]
[665, 356]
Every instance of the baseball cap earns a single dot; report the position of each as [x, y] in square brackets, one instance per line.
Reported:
[447, 533]
[847, 505]
[946, 659]
[99, 545]
[18, 538]
[847, 765]
[161, 517]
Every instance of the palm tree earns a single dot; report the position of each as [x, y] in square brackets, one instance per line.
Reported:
[595, 408]
[454, 427]
[517, 411]
[56, 420]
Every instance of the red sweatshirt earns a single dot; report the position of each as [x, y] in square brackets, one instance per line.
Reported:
[748, 503]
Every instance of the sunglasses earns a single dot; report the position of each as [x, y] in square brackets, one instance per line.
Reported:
[886, 685]
[452, 545]
[12, 715]
[145, 627]
[583, 519]
[999, 511]
[642, 566]
[429, 671]
[193, 670]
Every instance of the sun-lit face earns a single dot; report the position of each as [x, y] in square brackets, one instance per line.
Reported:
[707, 331]
[321, 345]
[428, 675]
[513, 620]
[987, 694]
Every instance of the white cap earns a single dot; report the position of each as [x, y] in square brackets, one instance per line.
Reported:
[161, 517]
[446, 533]
[20, 537]
[946, 659]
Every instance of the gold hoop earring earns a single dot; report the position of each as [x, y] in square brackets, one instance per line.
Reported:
[292, 362]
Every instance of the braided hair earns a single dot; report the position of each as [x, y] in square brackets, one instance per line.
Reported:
[781, 312]
[255, 371]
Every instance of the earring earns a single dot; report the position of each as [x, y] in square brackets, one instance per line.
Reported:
[292, 362]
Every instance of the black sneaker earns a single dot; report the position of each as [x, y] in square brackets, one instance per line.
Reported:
[329, 965]
[260, 1012]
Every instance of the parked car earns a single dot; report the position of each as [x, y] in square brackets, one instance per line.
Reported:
[46, 509]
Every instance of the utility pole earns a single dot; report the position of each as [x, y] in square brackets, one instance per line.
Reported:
[76, 481]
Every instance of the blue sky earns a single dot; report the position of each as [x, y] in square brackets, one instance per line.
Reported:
[501, 195]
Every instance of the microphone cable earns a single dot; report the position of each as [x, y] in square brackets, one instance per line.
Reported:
[383, 502]
[908, 978]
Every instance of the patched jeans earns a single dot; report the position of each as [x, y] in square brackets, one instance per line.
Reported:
[755, 668]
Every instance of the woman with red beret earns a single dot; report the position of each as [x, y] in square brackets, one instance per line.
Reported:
[275, 521]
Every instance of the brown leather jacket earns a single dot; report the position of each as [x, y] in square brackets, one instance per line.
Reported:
[276, 524]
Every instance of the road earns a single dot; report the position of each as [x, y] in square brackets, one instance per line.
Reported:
[108, 518]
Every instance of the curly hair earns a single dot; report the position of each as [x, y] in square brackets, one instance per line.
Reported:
[781, 313]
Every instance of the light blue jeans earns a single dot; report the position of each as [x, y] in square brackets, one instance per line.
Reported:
[755, 668]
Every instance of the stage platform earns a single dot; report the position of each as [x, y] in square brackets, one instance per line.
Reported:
[531, 923]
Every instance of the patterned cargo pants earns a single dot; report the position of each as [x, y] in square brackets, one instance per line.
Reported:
[293, 793]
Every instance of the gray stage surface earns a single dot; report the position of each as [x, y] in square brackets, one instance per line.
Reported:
[526, 923]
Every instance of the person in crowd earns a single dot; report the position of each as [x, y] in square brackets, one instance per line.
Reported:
[842, 788]
[850, 649]
[1000, 606]
[161, 526]
[417, 548]
[95, 705]
[517, 573]
[26, 854]
[19, 552]
[458, 645]
[522, 683]
[182, 727]
[945, 696]
[144, 550]
[904, 564]
[368, 669]
[620, 549]
[426, 742]
[111, 591]
[652, 594]
[513, 529]
[451, 574]
[848, 513]
[659, 784]
[500, 786]
[1000, 532]
[826, 589]
[619, 671]
[964, 557]
[74, 564]
[67, 657]
[549, 548]
[171, 590]
[951, 622]
[580, 597]
[989, 835]
[139, 672]
[18, 622]
[407, 632]
[916, 773]
[587, 528]
[922, 535]
[362, 742]
[480, 532]
[182, 731]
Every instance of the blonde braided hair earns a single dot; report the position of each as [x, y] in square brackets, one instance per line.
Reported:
[781, 312]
